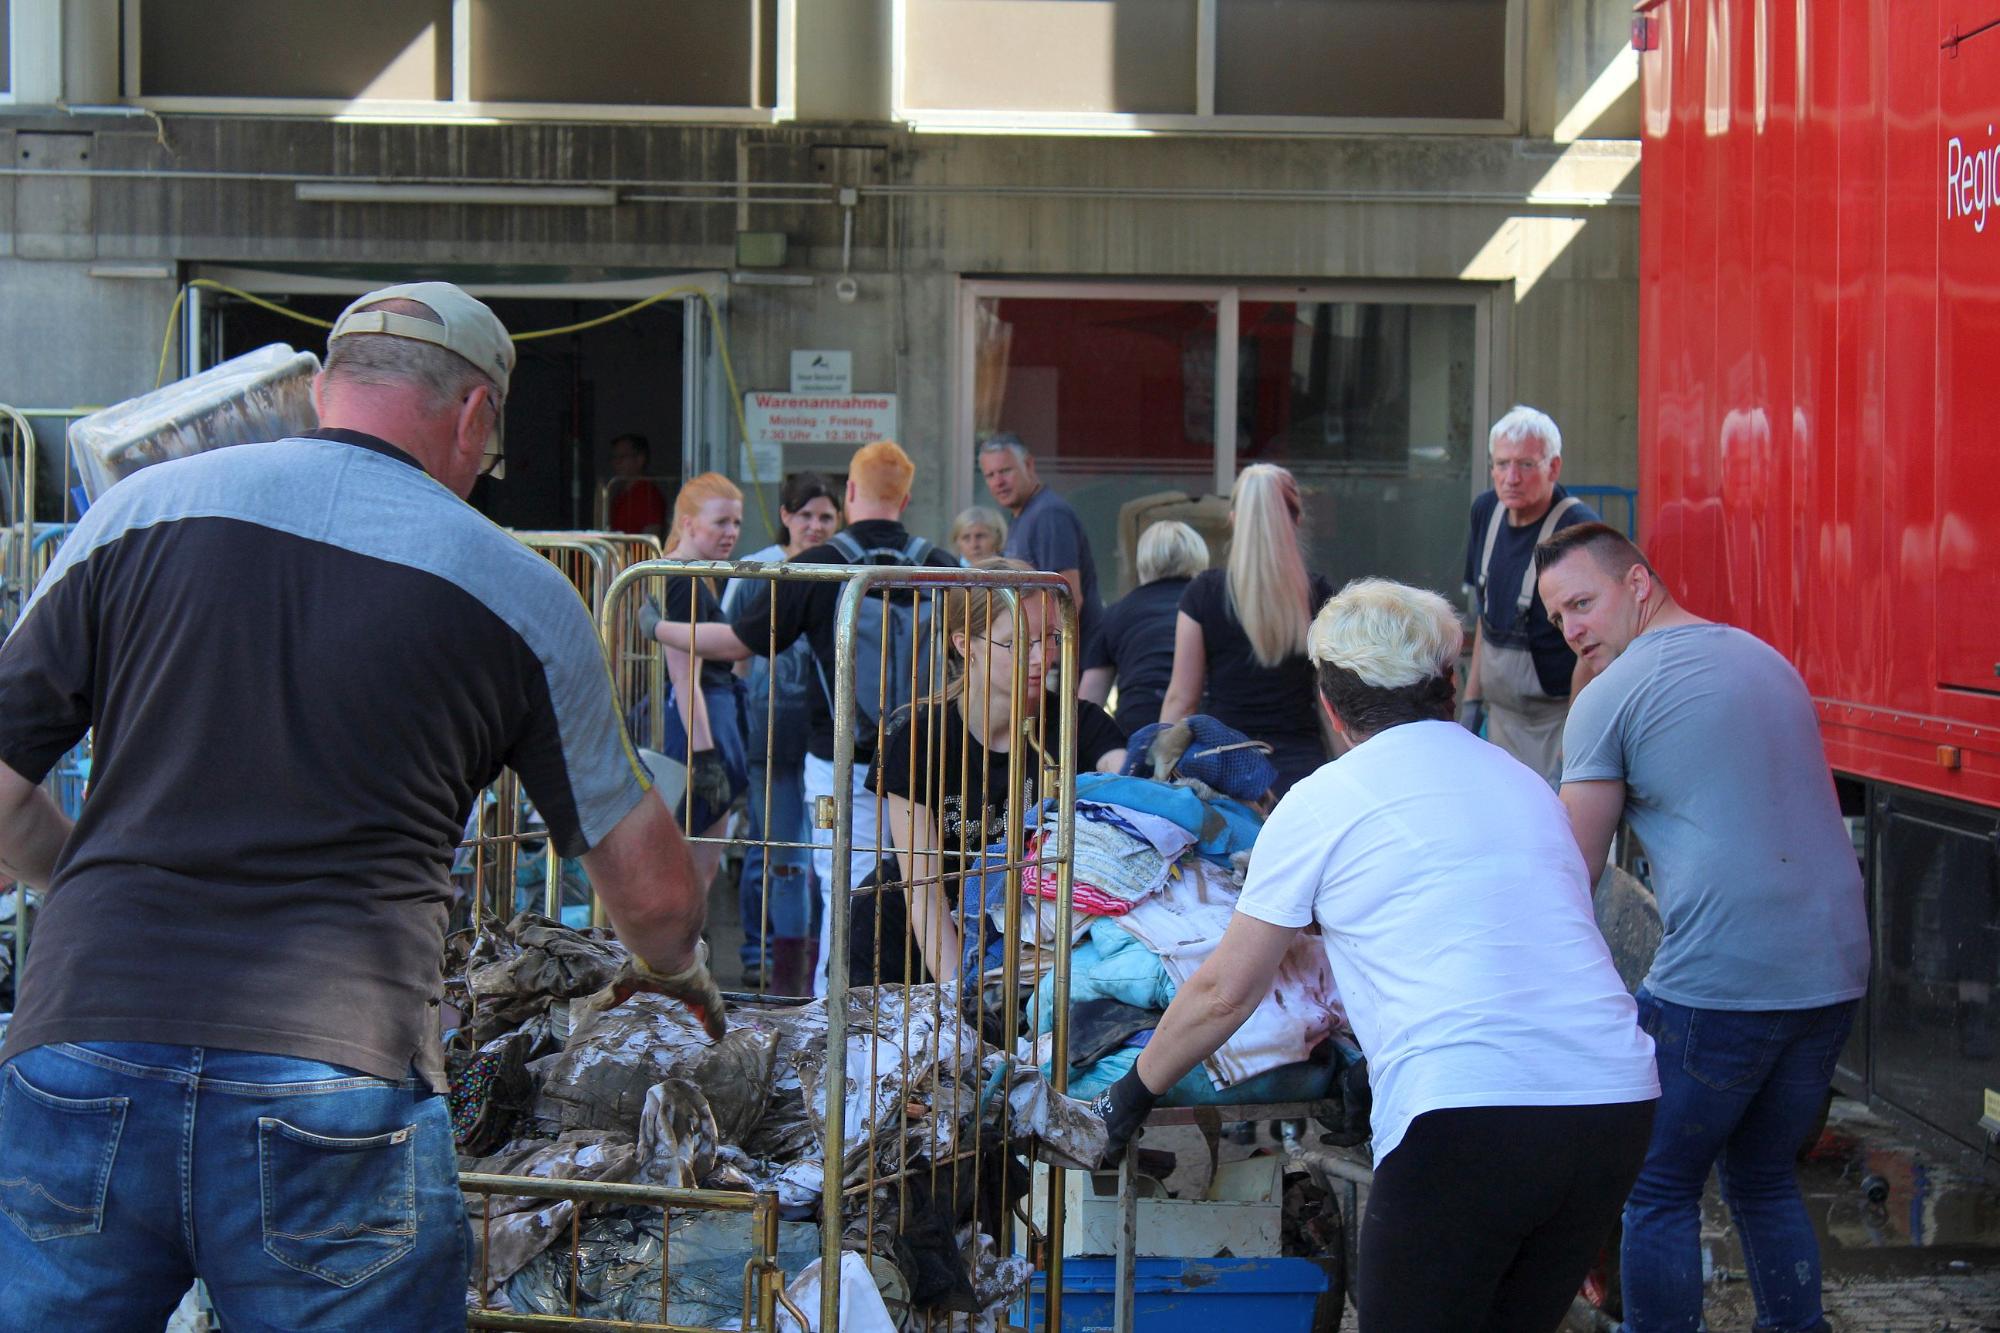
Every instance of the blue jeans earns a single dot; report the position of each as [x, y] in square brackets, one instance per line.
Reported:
[304, 1194]
[1744, 1087]
[791, 899]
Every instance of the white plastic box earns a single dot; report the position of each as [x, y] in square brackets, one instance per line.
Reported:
[1242, 1214]
[261, 395]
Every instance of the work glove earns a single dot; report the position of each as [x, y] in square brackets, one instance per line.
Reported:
[1472, 715]
[649, 618]
[708, 779]
[1123, 1107]
[692, 986]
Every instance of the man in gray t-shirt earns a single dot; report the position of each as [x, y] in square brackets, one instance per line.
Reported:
[1704, 740]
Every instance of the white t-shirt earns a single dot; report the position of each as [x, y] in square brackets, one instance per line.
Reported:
[1456, 914]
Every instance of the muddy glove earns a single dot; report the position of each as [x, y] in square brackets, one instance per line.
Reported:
[708, 780]
[692, 986]
[1123, 1108]
[1472, 714]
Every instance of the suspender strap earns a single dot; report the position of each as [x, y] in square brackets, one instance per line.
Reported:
[1556, 511]
[1549, 521]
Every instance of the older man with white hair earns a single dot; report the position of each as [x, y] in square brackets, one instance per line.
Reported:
[1523, 675]
[1509, 1072]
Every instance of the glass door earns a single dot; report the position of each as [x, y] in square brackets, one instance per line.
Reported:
[1375, 398]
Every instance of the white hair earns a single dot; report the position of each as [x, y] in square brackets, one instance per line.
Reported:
[1389, 634]
[1170, 549]
[1527, 423]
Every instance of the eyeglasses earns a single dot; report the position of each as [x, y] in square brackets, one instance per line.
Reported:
[1048, 645]
[1520, 466]
[493, 462]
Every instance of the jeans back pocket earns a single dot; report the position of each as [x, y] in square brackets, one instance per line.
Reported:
[339, 1209]
[55, 1158]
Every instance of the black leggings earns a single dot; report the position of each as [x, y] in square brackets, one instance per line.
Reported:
[1485, 1220]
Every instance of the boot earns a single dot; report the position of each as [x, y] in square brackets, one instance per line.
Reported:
[792, 958]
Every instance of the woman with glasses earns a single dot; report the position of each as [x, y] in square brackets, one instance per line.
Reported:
[943, 766]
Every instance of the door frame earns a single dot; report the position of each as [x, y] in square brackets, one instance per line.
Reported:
[706, 417]
[1489, 347]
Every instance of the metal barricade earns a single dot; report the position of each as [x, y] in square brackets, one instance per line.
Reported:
[763, 1287]
[957, 875]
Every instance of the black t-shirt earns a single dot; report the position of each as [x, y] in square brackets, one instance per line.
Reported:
[1513, 552]
[1136, 639]
[707, 607]
[1274, 704]
[812, 609]
[953, 773]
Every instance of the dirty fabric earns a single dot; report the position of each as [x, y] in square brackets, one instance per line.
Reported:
[616, 1271]
[614, 1057]
[1185, 921]
[638, 1094]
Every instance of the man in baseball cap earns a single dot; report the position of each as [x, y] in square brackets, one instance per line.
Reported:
[304, 661]
[443, 316]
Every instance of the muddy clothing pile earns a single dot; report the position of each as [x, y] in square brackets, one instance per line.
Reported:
[545, 1086]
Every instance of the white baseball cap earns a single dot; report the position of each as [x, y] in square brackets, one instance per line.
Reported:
[469, 328]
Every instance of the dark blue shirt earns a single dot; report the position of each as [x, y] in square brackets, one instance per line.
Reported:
[1048, 535]
[1513, 552]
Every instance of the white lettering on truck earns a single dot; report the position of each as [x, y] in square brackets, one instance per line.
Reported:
[1970, 179]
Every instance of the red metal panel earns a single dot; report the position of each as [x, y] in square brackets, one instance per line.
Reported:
[1968, 482]
[1817, 447]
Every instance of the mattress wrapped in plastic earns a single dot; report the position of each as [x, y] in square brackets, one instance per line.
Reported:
[261, 395]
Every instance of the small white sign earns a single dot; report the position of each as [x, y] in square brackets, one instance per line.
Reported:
[807, 418]
[823, 372]
[760, 462]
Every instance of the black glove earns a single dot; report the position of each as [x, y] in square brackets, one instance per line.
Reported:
[1123, 1108]
[708, 779]
[1472, 714]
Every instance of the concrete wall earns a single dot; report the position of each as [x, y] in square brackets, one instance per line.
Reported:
[1551, 226]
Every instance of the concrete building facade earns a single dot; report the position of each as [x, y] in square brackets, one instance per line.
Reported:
[1390, 221]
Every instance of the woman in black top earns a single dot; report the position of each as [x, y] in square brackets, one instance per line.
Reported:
[706, 727]
[1240, 640]
[943, 765]
[1134, 643]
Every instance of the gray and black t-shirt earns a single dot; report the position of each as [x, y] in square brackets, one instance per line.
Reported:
[302, 661]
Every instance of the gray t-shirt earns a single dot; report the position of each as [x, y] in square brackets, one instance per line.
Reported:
[1049, 535]
[1727, 785]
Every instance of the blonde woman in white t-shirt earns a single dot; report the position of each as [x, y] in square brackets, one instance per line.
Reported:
[1509, 1073]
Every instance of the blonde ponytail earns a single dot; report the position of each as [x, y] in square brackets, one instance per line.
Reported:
[1269, 591]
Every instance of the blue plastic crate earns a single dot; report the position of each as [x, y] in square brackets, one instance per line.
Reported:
[1190, 1295]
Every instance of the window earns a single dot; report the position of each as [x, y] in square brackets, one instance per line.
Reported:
[1374, 399]
[1247, 65]
[466, 57]
[6, 52]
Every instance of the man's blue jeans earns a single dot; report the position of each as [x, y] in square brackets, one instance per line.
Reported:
[1742, 1089]
[306, 1195]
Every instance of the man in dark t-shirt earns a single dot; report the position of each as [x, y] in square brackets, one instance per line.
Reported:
[777, 614]
[301, 661]
[1523, 675]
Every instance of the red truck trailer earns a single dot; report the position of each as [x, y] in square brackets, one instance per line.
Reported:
[1819, 448]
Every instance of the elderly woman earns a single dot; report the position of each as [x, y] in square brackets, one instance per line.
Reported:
[1510, 1076]
[1134, 643]
[978, 533]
